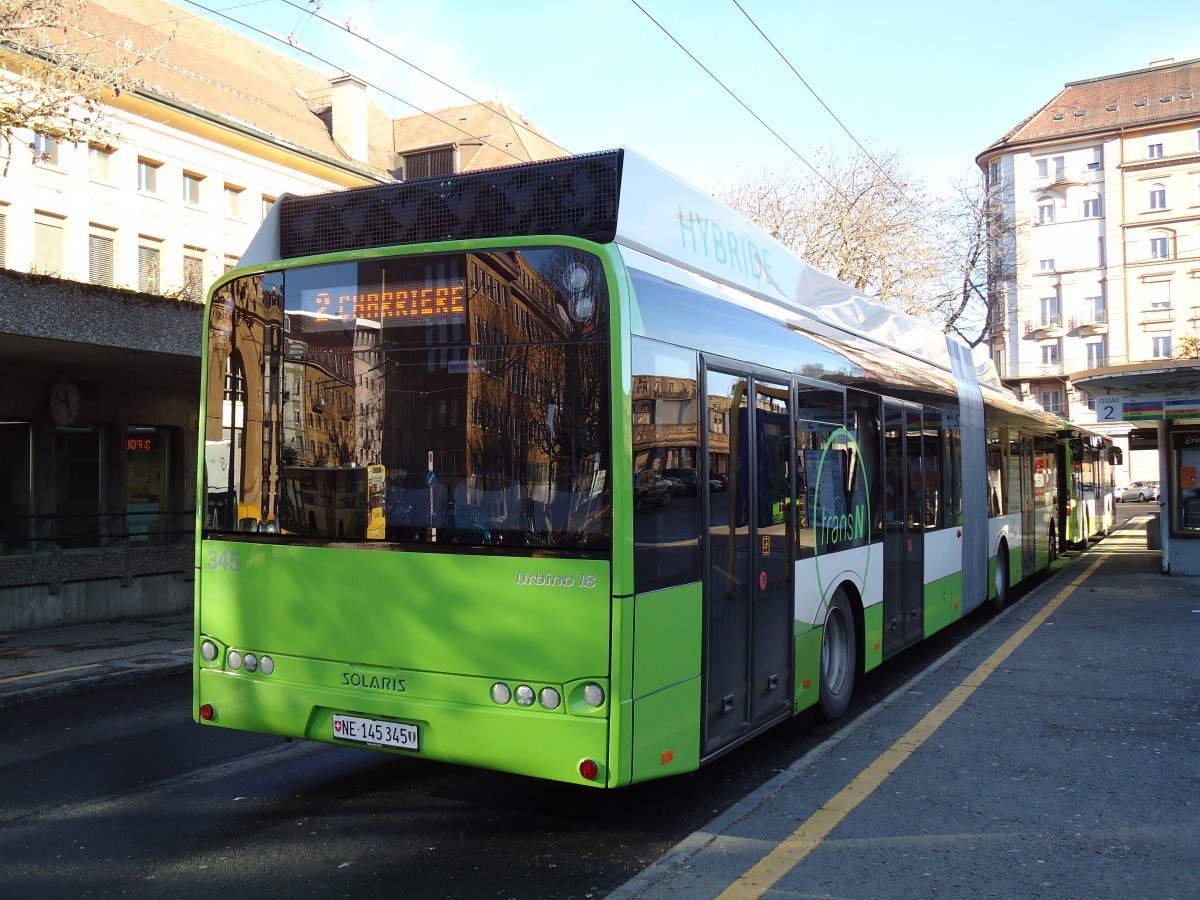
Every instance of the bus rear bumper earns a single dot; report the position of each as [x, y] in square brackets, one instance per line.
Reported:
[554, 744]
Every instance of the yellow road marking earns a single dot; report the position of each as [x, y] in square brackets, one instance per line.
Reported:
[767, 872]
[12, 678]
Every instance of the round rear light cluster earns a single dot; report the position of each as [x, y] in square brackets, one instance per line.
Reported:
[550, 698]
[250, 662]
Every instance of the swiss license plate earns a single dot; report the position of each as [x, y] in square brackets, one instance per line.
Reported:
[375, 732]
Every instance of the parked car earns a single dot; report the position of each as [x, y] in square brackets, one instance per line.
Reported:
[649, 488]
[718, 482]
[686, 478]
[1140, 491]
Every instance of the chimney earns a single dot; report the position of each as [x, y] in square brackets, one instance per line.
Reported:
[350, 116]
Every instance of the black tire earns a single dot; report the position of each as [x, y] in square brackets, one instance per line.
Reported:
[665, 499]
[1000, 578]
[1141, 498]
[839, 658]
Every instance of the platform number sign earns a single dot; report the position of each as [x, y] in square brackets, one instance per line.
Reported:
[1110, 409]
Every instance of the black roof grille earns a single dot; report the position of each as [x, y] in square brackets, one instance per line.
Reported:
[575, 196]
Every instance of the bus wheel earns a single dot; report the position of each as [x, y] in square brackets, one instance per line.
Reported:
[839, 658]
[1000, 581]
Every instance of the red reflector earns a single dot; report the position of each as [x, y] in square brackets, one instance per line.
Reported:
[806, 684]
[589, 770]
[667, 757]
[206, 712]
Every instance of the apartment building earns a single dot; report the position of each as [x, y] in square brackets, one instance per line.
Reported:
[106, 251]
[1100, 263]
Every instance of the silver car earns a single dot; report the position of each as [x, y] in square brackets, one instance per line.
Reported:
[1141, 491]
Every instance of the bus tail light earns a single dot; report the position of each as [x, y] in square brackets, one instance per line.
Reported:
[207, 712]
[589, 770]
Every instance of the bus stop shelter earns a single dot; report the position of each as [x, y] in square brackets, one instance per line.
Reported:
[1165, 395]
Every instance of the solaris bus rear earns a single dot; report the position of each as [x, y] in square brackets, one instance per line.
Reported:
[507, 363]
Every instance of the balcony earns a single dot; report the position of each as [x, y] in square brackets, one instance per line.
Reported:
[1156, 315]
[1091, 323]
[1047, 327]
[1061, 179]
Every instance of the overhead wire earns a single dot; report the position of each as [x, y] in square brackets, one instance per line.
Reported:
[216, 12]
[811, 90]
[732, 94]
[311, 10]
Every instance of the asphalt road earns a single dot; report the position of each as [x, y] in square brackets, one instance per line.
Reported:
[115, 791]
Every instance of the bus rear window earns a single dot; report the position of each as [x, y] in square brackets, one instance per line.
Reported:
[450, 398]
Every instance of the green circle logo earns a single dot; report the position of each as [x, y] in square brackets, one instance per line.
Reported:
[846, 523]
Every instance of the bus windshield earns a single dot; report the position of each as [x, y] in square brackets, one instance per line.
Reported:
[465, 393]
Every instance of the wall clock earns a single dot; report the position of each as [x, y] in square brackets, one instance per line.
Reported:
[64, 402]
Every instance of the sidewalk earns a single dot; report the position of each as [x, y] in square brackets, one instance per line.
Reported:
[36, 664]
[1052, 754]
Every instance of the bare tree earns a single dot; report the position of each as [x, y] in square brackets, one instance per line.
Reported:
[54, 82]
[978, 247]
[1189, 346]
[858, 217]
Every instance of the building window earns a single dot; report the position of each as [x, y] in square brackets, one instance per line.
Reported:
[1051, 354]
[1094, 310]
[1045, 212]
[1046, 265]
[1049, 310]
[1096, 355]
[1154, 151]
[147, 483]
[45, 150]
[428, 162]
[148, 176]
[267, 203]
[16, 488]
[1160, 346]
[1052, 401]
[149, 267]
[191, 188]
[1097, 159]
[994, 172]
[77, 488]
[1160, 248]
[49, 236]
[1158, 197]
[193, 276]
[1158, 294]
[233, 201]
[100, 162]
[100, 256]
[1091, 208]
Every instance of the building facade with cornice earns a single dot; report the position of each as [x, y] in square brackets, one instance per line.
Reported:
[1095, 292]
[106, 251]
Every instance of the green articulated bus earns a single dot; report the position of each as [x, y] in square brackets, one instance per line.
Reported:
[649, 483]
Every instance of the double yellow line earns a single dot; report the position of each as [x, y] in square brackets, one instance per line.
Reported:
[792, 850]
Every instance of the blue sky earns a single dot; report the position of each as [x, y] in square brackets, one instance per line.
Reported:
[935, 81]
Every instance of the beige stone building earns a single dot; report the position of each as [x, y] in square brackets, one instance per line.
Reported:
[1102, 271]
[106, 251]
